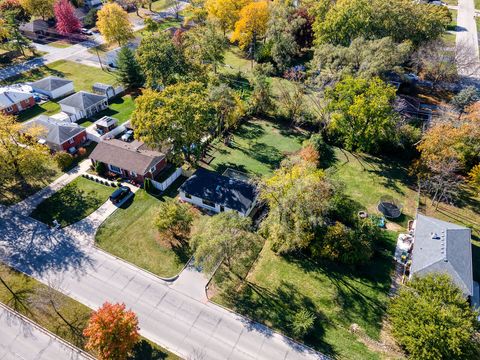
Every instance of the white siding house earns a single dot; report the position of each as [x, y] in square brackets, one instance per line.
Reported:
[53, 87]
[83, 105]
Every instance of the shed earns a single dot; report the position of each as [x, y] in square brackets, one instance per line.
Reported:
[104, 89]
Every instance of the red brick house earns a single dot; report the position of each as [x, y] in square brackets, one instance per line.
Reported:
[58, 135]
[131, 160]
[14, 101]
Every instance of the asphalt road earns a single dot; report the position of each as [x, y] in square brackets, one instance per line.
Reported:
[20, 339]
[467, 40]
[168, 315]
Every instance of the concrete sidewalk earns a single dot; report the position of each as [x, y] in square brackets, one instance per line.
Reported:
[467, 40]
[26, 206]
[22, 339]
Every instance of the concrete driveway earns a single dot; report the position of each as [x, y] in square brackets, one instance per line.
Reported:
[168, 314]
[467, 40]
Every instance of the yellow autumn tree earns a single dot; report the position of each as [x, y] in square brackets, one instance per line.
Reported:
[225, 12]
[252, 24]
[113, 24]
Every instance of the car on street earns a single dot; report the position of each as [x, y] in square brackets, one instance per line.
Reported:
[121, 193]
[85, 31]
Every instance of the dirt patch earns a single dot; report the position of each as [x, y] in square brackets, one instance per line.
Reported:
[386, 346]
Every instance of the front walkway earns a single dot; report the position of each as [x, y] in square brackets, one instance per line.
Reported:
[26, 206]
[22, 339]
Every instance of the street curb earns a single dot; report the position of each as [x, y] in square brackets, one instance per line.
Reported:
[47, 332]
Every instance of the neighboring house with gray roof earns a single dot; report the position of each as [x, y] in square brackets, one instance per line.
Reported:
[53, 87]
[218, 193]
[443, 247]
[58, 135]
[14, 101]
[83, 105]
[133, 160]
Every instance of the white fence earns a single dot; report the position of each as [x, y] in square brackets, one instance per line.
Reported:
[162, 186]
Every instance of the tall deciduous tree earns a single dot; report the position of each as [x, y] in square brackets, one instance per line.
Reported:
[128, 70]
[229, 107]
[112, 331]
[361, 113]
[298, 197]
[20, 164]
[113, 24]
[225, 12]
[251, 25]
[432, 320]
[175, 219]
[161, 60]
[67, 22]
[223, 237]
[41, 8]
[14, 7]
[205, 45]
[181, 116]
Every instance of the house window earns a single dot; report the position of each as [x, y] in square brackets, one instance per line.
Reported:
[152, 169]
[133, 173]
[208, 203]
[188, 196]
[115, 169]
[222, 208]
[71, 141]
[9, 108]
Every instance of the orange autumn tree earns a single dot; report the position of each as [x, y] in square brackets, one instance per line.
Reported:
[112, 332]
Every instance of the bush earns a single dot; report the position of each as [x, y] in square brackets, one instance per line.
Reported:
[90, 19]
[100, 168]
[63, 160]
[82, 151]
[432, 319]
[303, 323]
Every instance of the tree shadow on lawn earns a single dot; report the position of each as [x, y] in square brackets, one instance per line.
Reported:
[263, 153]
[250, 131]
[277, 308]
[67, 206]
[143, 350]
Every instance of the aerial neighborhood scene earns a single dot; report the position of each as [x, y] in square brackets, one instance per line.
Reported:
[239, 179]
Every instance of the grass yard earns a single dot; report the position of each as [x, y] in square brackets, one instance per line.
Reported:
[278, 287]
[257, 148]
[131, 235]
[83, 76]
[72, 203]
[29, 293]
[367, 178]
[12, 193]
[453, 23]
[47, 108]
[61, 44]
[477, 4]
[120, 108]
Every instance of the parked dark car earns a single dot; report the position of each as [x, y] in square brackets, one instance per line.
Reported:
[121, 193]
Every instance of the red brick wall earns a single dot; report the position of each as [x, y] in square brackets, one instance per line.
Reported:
[13, 111]
[77, 141]
[24, 104]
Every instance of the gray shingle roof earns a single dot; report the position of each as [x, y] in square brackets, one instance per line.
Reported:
[56, 132]
[10, 97]
[133, 156]
[50, 83]
[222, 190]
[82, 100]
[443, 247]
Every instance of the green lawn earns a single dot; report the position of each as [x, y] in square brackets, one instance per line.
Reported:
[451, 2]
[120, 108]
[47, 108]
[161, 5]
[257, 148]
[477, 4]
[278, 287]
[72, 203]
[131, 235]
[453, 23]
[28, 293]
[83, 76]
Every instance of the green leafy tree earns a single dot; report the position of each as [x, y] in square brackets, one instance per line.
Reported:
[206, 45]
[10, 29]
[261, 100]
[15, 8]
[113, 23]
[432, 320]
[229, 107]
[181, 117]
[465, 98]
[162, 62]
[361, 113]
[298, 197]
[303, 323]
[224, 237]
[175, 219]
[40, 8]
[364, 58]
[342, 21]
[64, 160]
[129, 72]
[91, 18]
